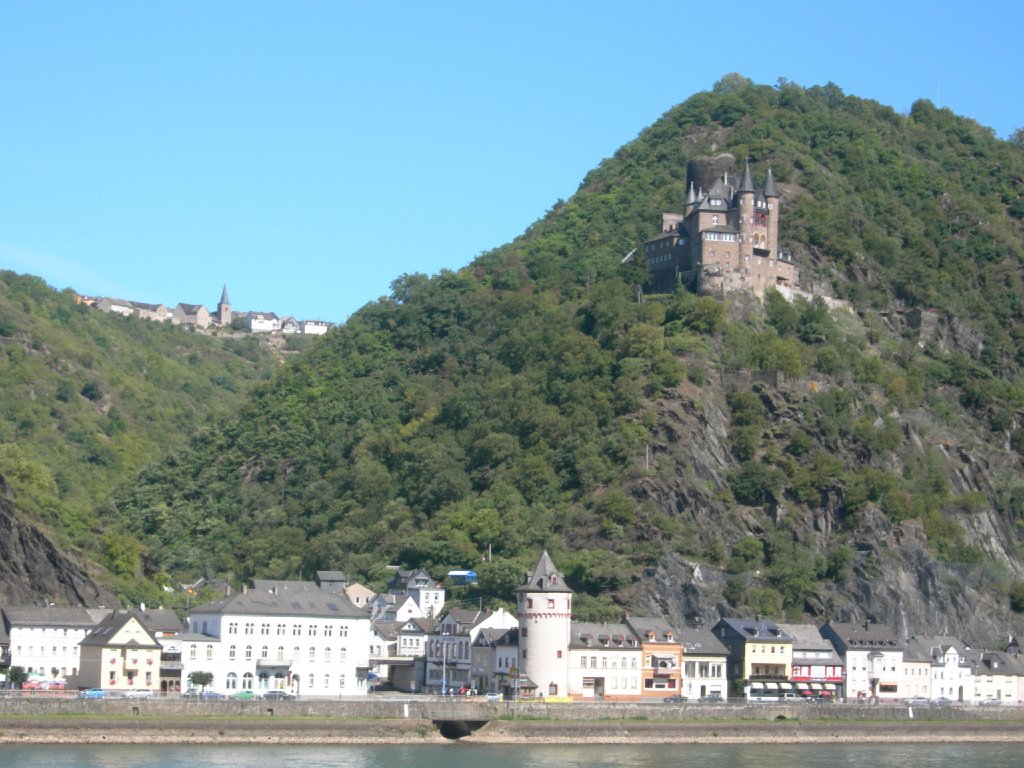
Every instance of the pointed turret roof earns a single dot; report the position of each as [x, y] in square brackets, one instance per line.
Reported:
[544, 577]
[769, 184]
[691, 196]
[746, 183]
[224, 295]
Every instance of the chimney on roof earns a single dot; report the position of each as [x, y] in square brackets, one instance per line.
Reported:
[867, 624]
[245, 589]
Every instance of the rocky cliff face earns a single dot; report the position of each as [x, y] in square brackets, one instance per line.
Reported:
[33, 569]
[895, 576]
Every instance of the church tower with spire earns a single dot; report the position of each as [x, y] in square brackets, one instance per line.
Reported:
[544, 605]
[224, 307]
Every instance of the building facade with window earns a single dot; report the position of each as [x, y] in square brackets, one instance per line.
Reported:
[606, 663]
[544, 604]
[294, 636]
[120, 654]
[45, 641]
[661, 673]
[704, 664]
[872, 657]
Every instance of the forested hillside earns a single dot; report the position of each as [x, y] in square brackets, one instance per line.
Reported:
[88, 399]
[677, 454]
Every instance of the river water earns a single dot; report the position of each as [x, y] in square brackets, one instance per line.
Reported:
[489, 756]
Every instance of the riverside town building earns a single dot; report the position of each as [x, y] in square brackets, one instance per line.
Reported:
[329, 639]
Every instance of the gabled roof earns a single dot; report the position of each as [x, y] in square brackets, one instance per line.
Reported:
[158, 620]
[386, 629]
[761, 630]
[701, 642]
[544, 577]
[585, 634]
[866, 636]
[311, 604]
[56, 616]
[416, 626]
[190, 309]
[643, 626]
[807, 637]
[494, 636]
[106, 631]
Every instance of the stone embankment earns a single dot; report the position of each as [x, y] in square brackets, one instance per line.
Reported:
[420, 720]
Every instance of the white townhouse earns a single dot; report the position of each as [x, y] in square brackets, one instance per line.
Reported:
[428, 594]
[262, 322]
[995, 675]
[44, 641]
[704, 664]
[290, 635]
[605, 663]
[873, 658]
[950, 670]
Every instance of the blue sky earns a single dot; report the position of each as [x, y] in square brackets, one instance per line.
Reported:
[309, 152]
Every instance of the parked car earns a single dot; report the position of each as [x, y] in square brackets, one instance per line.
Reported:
[278, 696]
[92, 693]
[675, 700]
[212, 696]
[917, 701]
[139, 693]
[992, 702]
[190, 693]
[245, 696]
[493, 698]
[942, 701]
[712, 698]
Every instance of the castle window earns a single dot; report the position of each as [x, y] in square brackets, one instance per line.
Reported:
[714, 219]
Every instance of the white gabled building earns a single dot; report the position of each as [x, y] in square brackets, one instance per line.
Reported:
[873, 658]
[290, 636]
[605, 663]
[421, 587]
[44, 641]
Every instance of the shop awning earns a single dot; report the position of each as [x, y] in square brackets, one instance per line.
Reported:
[772, 686]
[815, 686]
[830, 686]
[786, 686]
[756, 686]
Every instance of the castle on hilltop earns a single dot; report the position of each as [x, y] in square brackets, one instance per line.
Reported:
[726, 239]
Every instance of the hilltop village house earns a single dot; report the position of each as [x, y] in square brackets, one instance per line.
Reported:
[312, 639]
[725, 240]
[198, 316]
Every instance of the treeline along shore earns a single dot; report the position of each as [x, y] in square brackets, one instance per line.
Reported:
[410, 722]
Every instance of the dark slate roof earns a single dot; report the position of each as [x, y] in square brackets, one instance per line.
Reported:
[644, 625]
[691, 195]
[860, 636]
[757, 629]
[416, 625]
[103, 634]
[224, 295]
[701, 642]
[493, 637]
[162, 620]
[769, 184]
[387, 629]
[56, 616]
[585, 634]
[746, 183]
[4, 637]
[806, 637]
[720, 228]
[311, 604]
[544, 577]
[191, 309]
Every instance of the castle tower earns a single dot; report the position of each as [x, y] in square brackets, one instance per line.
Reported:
[772, 197]
[691, 201]
[545, 614]
[224, 307]
[745, 198]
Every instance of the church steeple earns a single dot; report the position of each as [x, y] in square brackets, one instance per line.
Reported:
[224, 307]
